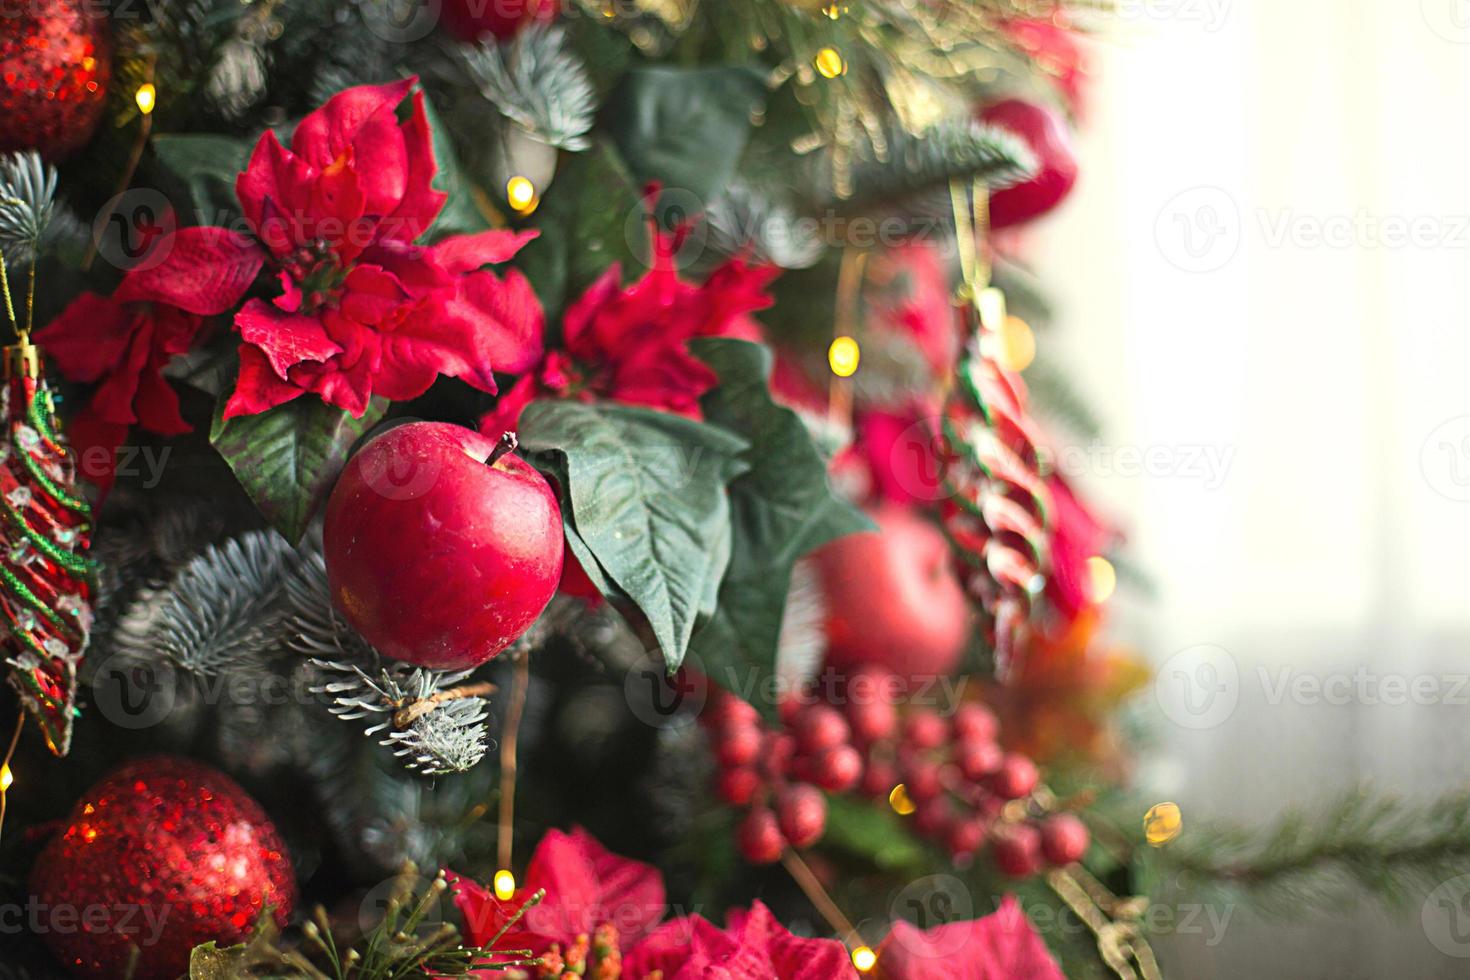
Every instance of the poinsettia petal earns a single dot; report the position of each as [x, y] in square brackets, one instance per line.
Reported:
[506, 415]
[1000, 946]
[258, 388]
[348, 386]
[791, 956]
[323, 134]
[632, 893]
[466, 253]
[431, 340]
[285, 339]
[509, 326]
[95, 444]
[112, 400]
[88, 338]
[560, 866]
[413, 266]
[274, 191]
[205, 270]
[680, 948]
[421, 203]
[361, 125]
[579, 318]
[157, 403]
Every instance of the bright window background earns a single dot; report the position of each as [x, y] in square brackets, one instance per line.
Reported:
[1268, 258]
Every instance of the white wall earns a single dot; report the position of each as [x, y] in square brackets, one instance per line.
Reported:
[1232, 278]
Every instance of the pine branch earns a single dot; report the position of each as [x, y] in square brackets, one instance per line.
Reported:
[742, 221]
[430, 719]
[424, 716]
[912, 165]
[218, 612]
[1392, 850]
[535, 80]
[31, 219]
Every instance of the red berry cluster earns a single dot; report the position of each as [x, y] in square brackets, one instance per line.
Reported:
[961, 788]
[779, 775]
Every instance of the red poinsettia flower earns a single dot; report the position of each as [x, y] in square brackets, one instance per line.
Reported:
[755, 947]
[629, 344]
[123, 342]
[362, 311]
[596, 904]
[1000, 946]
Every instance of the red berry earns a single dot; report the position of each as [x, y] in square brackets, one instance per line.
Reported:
[737, 745]
[728, 709]
[1016, 850]
[979, 760]
[966, 837]
[759, 837]
[776, 753]
[872, 721]
[1016, 777]
[1064, 838]
[819, 727]
[802, 814]
[933, 817]
[737, 786]
[974, 724]
[925, 730]
[838, 769]
[922, 780]
[879, 778]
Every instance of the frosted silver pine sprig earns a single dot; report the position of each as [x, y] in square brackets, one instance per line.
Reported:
[30, 216]
[536, 81]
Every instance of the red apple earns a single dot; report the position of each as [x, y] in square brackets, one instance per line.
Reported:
[441, 548]
[893, 599]
[1046, 134]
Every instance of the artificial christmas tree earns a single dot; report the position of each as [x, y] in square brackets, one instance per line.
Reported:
[828, 630]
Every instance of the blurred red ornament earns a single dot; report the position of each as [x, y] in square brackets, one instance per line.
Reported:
[473, 20]
[56, 63]
[1058, 50]
[1046, 134]
[160, 856]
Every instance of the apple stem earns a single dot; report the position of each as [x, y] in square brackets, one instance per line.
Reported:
[507, 444]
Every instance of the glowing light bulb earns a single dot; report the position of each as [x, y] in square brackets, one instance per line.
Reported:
[146, 97]
[899, 799]
[829, 63]
[6, 777]
[505, 885]
[521, 194]
[864, 959]
[843, 357]
[1162, 823]
[1102, 578]
[1017, 344]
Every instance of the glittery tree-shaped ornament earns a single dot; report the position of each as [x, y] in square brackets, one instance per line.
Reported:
[45, 587]
[997, 511]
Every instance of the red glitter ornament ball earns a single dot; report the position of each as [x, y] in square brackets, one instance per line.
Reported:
[55, 64]
[163, 854]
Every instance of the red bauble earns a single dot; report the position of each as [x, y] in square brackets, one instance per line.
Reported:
[1046, 134]
[893, 599]
[473, 20]
[439, 552]
[163, 854]
[55, 64]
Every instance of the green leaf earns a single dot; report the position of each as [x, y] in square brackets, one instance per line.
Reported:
[875, 834]
[208, 166]
[643, 492]
[288, 458]
[685, 127]
[460, 216]
[782, 509]
[590, 218]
